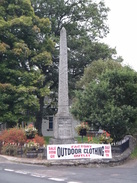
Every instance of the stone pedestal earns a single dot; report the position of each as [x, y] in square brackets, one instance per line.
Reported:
[63, 132]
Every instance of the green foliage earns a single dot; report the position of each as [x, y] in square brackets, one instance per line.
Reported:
[26, 48]
[25, 54]
[110, 102]
[134, 153]
[85, 22]
[95, 69]
[95, 140]
[9, 149]
[47, 139]
[71, 13]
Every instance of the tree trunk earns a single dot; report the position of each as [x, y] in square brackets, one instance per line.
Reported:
[39, 116]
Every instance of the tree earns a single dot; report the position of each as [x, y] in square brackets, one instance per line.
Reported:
[85, 22]
[25, 54]
[110, 102]
[95, 69]
[29, 45]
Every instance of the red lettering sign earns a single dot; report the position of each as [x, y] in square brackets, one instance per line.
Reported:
[52, 152]
[52, 156]
[52, 148]
[76, 155]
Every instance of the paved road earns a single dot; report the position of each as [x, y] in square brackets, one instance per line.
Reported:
[20, 173]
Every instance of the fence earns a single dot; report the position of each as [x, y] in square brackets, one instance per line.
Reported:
[121, 147]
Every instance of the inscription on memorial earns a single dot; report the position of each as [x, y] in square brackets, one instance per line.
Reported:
[65, 128]
[64, 133]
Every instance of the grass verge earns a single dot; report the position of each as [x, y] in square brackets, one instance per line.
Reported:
[47, 139]
[134, 153]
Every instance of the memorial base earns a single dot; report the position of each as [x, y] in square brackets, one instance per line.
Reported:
[61, 141]
[63, 133]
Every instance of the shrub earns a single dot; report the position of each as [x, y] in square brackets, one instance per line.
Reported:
[13, 139]
[38, 141]
[31, 144]
[14, 136]
[9, 149]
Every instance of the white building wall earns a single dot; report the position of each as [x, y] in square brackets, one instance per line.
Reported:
[45, 129]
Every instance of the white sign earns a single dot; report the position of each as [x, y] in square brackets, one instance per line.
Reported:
[77, 151]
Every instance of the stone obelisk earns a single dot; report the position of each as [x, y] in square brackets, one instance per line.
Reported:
[63, 132]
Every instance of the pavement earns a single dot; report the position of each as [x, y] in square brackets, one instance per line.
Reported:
[25, 160]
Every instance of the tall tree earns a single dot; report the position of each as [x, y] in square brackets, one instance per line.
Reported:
[95, 69]
[25, 54]
[110, 102]
[85, 22]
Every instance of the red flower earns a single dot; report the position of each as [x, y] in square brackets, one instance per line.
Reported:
[89, 139]
[107, 134]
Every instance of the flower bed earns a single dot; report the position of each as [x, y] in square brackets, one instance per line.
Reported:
[105, 138]
[19, 141]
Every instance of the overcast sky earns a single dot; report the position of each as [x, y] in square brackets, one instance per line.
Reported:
[122, 21]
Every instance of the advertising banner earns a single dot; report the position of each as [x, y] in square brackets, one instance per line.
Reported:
[79, 151]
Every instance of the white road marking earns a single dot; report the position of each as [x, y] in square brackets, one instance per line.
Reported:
[22, 172]
[9, 170]
[73, 182]
[35, 175]
[57, 179]
[38, 175]
[42, 176]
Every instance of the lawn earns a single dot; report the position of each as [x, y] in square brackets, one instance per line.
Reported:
[47, 140]
[95, 140]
